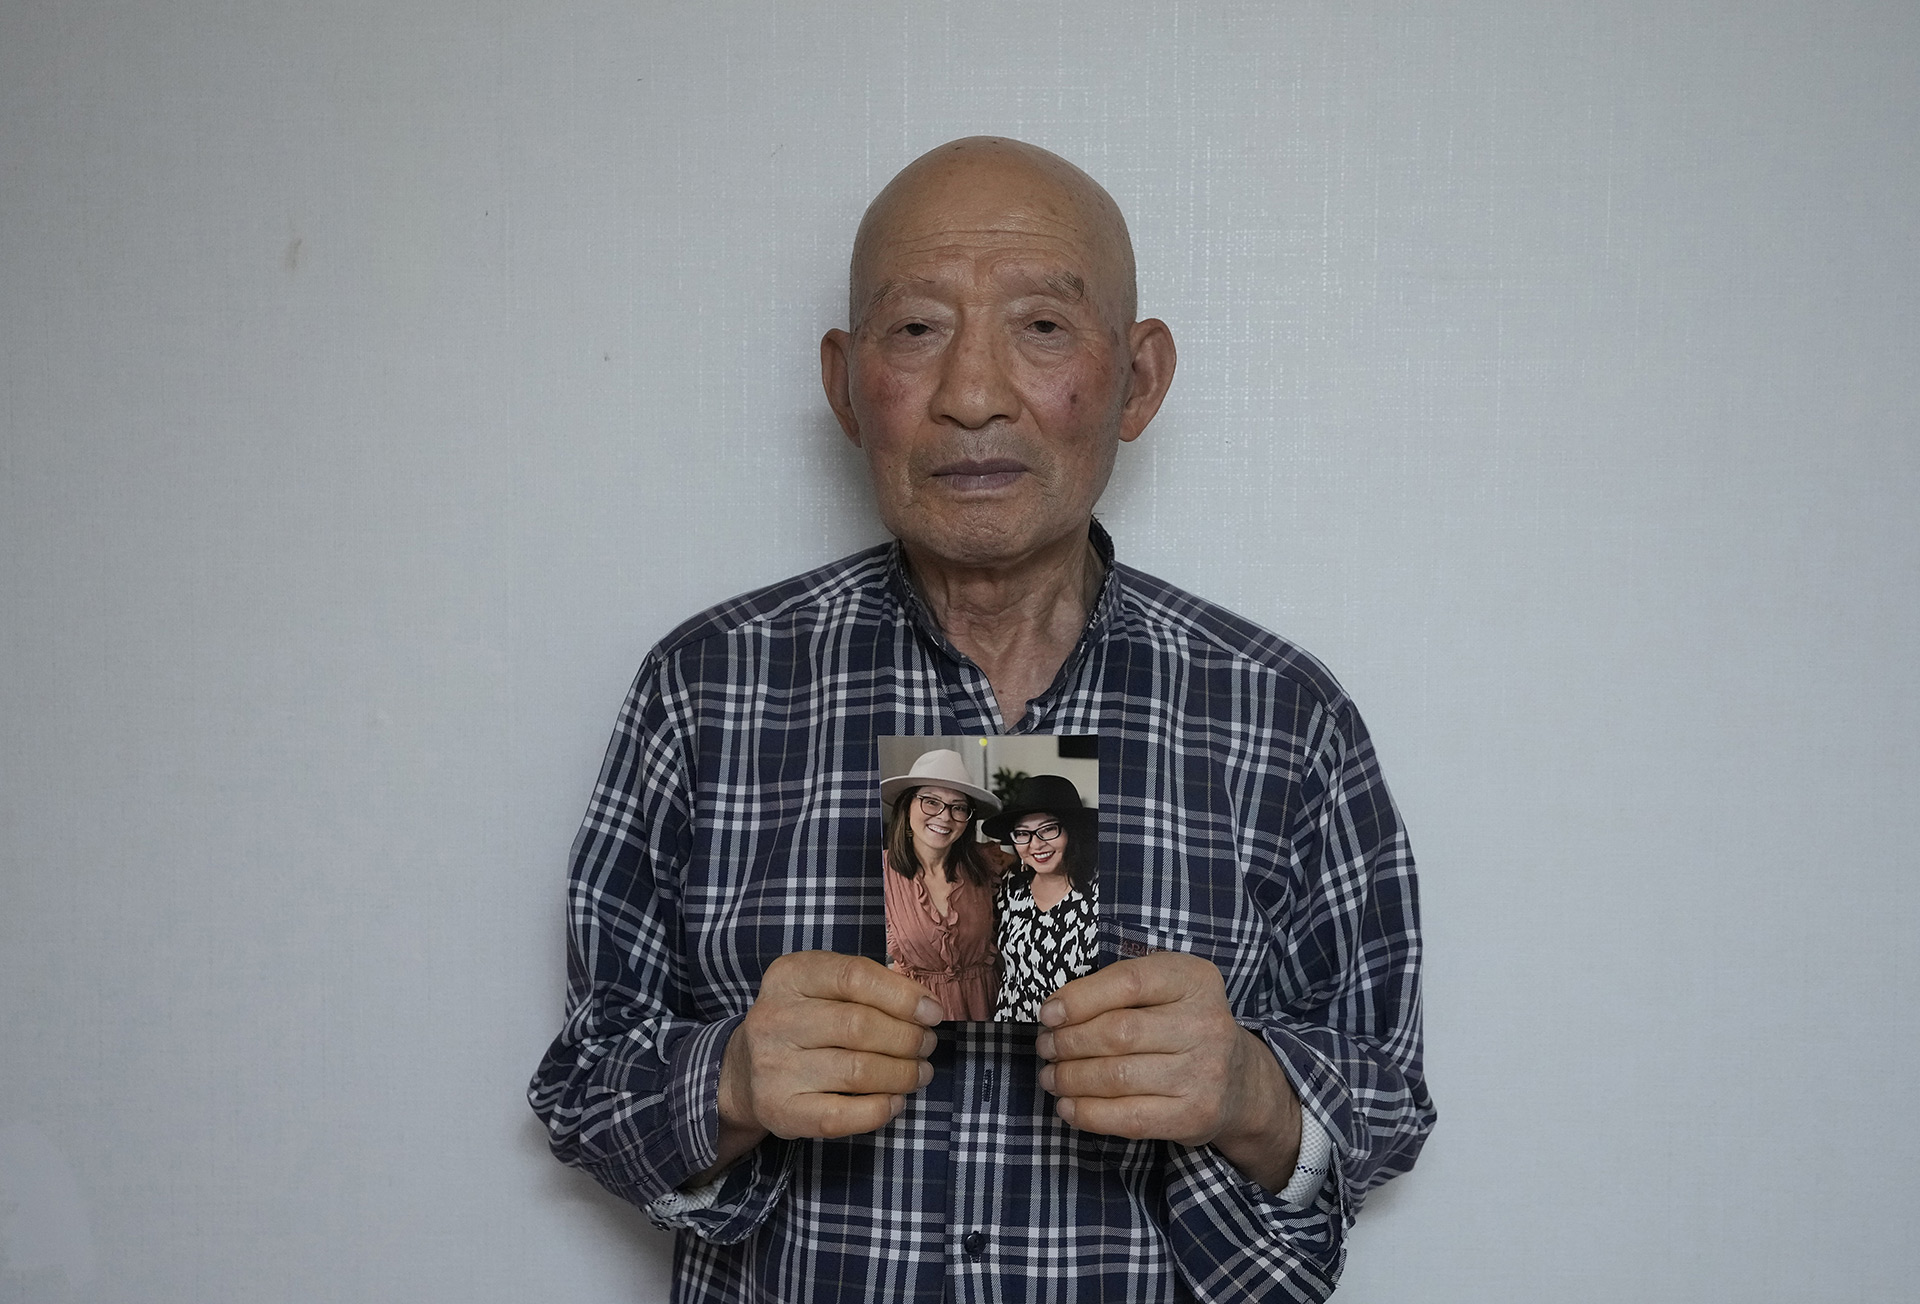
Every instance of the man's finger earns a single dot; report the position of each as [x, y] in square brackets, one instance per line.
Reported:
[1161, 1118]
[853, 1026]
[858, 1073]
[1157, 979]
[1119, 1076]
[828, 1115]
[1155, 1030]
[827, 976]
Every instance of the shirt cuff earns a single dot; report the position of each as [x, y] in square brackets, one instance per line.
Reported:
[729, 1208]
[1325, 1109]
[1233, 1238]
[675, 1206]
[1311, 1168]
[693, 1101]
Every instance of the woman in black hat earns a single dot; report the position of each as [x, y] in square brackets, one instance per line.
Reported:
[1045, 912]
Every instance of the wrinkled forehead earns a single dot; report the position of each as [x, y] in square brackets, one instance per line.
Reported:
[1003, 265]
[1050, 226]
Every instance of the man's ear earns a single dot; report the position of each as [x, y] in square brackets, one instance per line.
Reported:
[836, 362]
[1151, 353]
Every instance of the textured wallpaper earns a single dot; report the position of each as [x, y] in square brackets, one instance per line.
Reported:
[380, 381]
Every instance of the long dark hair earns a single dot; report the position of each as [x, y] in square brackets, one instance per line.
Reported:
[964, 853]
[1082, 860]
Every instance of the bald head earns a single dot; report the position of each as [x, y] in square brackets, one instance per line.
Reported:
[993, 366]
[968, 189]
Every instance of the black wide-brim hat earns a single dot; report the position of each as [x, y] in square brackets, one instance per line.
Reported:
[1044, 794]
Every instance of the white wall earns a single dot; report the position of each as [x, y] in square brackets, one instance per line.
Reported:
[380, 380]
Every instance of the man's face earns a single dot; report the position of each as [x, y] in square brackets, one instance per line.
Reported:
[987, 379]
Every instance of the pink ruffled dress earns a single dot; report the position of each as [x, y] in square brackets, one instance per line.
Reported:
[952, 956]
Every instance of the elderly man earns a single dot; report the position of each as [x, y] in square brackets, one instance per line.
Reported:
[1201, 1117]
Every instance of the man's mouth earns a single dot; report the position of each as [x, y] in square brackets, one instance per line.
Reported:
[978, 475]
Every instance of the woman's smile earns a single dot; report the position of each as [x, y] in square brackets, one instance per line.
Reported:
[1041, 855]
[937, 830]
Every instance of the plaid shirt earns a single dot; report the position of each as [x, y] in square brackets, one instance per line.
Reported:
[736, 820]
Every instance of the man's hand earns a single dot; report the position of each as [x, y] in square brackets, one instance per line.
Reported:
[1147, 1048]
[832, 1046]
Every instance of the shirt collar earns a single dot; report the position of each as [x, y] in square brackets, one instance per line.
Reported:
[1105, 604]
[1106, 607]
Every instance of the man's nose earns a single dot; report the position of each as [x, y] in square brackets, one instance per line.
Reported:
[975, 389]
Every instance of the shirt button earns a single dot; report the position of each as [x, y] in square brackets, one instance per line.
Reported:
[973, 1243]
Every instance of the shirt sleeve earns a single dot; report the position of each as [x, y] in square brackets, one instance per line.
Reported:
[1351, 1042]
[629, 1090]
[1347, 1034]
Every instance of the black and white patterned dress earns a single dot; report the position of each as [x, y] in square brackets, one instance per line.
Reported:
[1040, 950]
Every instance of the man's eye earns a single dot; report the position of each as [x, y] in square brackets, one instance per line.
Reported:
[916, 328]
[1046, 327]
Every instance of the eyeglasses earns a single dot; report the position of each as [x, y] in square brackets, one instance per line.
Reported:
[1045, 832]
[931, 806]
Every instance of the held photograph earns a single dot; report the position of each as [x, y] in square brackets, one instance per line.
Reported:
[990, 856]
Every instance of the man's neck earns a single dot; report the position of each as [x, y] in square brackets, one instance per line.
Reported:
[1018, 622]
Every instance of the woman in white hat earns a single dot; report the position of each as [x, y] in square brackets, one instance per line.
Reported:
[940, 883]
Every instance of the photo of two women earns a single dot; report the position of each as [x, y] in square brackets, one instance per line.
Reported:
[990, 854]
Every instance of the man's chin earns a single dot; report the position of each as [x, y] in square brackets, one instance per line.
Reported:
[981, 535]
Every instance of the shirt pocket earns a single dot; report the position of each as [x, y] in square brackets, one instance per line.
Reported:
[1238, 956]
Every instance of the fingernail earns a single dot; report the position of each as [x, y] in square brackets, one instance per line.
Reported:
[1043, 1045]
[1052, 1013]
[926, 1073]
[1064, 1108]
[928, 1011]
[929, 1041]
[1046, 1078]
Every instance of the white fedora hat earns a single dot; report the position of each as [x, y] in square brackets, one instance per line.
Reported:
[939, 768]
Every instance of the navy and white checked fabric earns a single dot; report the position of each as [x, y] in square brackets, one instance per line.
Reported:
[736, 820]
